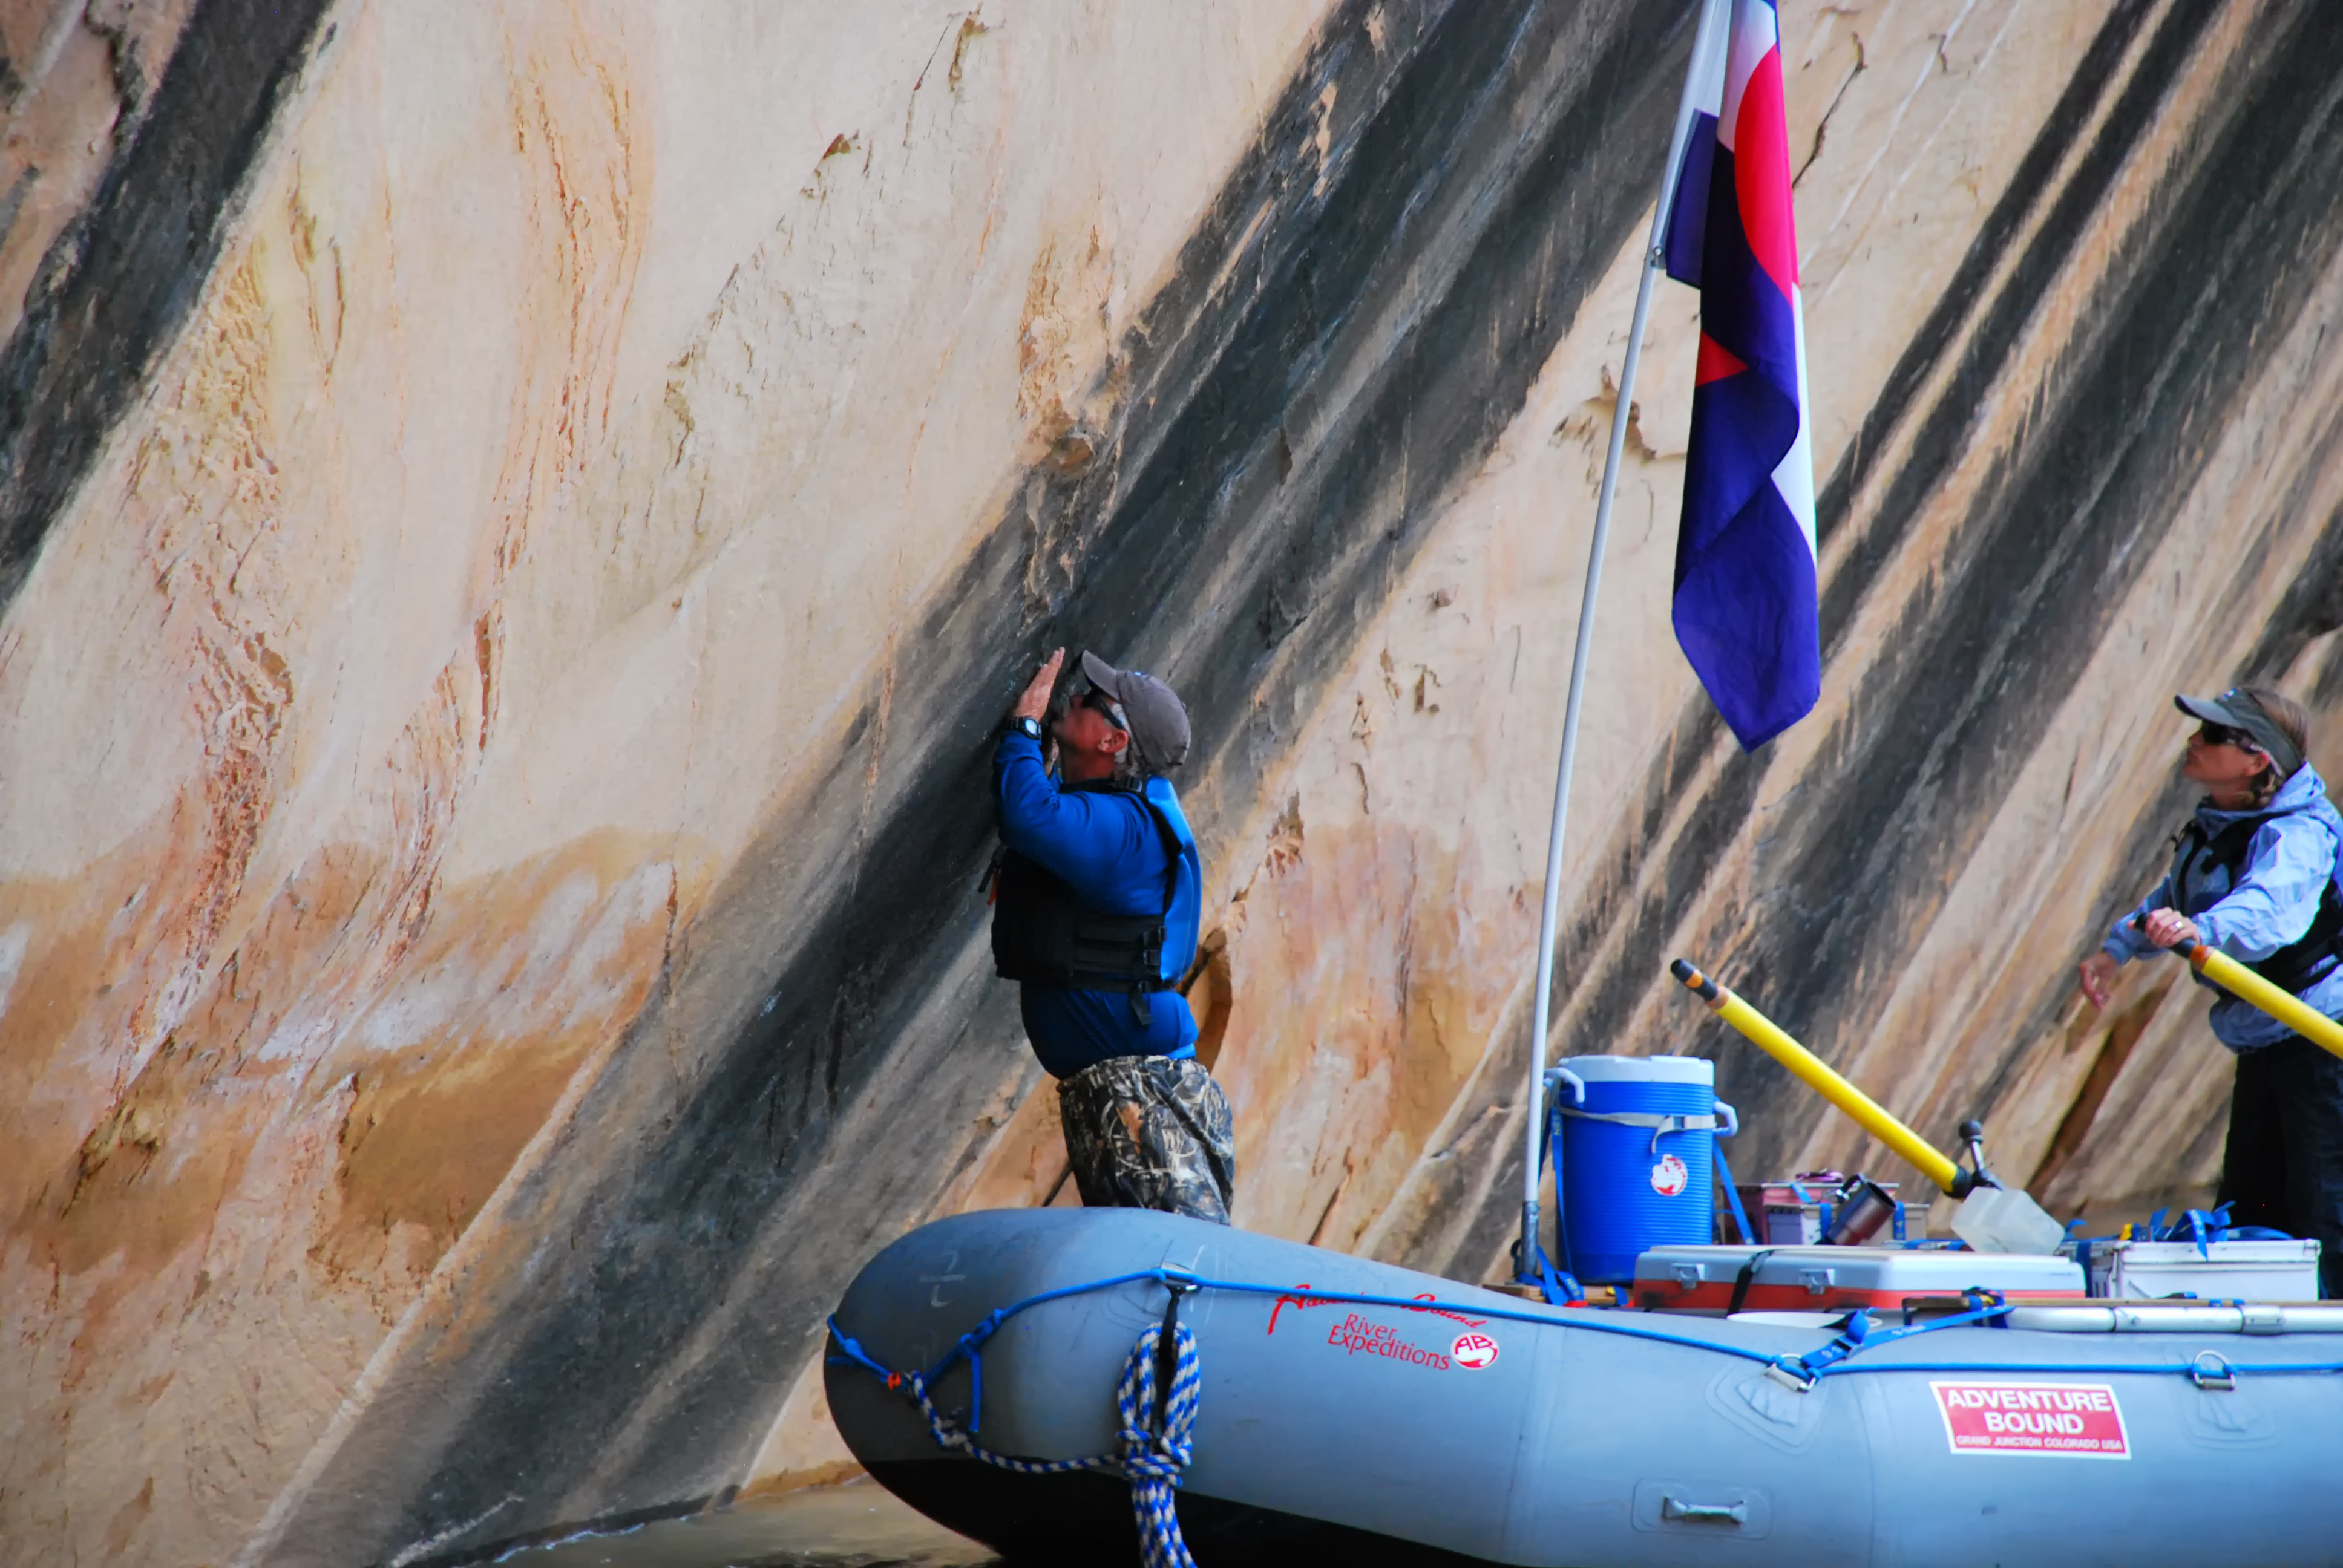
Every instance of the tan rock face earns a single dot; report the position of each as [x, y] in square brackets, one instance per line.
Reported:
[494, 717]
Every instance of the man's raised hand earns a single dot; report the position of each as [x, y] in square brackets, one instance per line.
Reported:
[1035, 702]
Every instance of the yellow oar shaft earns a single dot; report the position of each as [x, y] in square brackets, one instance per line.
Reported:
[1768, 1037]
[2284, 1006]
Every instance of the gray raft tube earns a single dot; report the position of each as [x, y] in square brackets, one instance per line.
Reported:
[1444, 1424]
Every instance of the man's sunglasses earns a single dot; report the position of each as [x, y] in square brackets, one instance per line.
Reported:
[1095, 698]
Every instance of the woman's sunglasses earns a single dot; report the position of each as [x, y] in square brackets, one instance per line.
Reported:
[2222, 735]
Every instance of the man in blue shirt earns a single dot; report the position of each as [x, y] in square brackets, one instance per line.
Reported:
[1098, 895]
[2253, 875]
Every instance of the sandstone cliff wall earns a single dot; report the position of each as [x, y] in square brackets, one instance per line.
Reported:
[520, 519]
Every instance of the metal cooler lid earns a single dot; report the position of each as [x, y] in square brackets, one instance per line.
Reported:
[2214, 1253]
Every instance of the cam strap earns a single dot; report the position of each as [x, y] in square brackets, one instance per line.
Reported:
[1748, 1277]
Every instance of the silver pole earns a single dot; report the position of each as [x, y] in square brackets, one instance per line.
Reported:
[1710, 36]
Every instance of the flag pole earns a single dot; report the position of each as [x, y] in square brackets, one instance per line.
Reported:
[1708, 36]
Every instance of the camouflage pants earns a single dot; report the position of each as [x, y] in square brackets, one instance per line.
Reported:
[1149, 1133]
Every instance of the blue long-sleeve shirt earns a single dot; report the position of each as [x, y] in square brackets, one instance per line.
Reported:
[1103, 844]
[2270, 905]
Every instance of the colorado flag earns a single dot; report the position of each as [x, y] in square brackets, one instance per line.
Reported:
[1745, 604]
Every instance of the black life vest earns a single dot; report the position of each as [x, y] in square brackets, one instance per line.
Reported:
[2197, 855]
[1043, 935]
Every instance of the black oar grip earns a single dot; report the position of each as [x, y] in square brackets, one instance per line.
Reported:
[1694, 980]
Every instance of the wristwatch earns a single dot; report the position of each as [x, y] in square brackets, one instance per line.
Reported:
[1031, 728]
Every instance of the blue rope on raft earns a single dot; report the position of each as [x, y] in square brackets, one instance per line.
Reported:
[1152, 1458]
[1828, 1361]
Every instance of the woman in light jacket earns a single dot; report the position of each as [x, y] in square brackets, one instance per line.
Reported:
[2253, 875]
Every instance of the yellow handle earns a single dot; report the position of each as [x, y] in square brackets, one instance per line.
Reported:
[2290, 1009]
[1766, 1036]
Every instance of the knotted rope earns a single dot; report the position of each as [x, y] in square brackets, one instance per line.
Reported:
[1155, 1436]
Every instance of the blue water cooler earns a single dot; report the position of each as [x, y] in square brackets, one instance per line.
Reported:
[1633, 1157]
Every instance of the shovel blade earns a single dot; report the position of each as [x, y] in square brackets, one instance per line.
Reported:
[1998, 1219]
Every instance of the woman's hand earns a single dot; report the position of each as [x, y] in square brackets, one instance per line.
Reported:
[2099, 978]
[1035, 702]
[2171, 929]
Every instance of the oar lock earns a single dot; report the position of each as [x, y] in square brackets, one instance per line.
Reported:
[1966, 1182]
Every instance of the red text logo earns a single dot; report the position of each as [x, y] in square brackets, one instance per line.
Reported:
[2077, 1419]
[1303, 1302]
[1474, 1351]
[1361, 1337]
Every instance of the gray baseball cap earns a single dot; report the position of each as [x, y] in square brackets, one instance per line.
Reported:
[1159, 723]
[2234, 709]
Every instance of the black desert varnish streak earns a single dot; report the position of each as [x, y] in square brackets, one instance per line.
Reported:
[1341, 347]
[115, 286]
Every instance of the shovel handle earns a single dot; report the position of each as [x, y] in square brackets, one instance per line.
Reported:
[1768, 1037]
[2284, 1006]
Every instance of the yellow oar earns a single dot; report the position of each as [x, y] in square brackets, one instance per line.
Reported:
[1766, 1036]
[2290, 1009]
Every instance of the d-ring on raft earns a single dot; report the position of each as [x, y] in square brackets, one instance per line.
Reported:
[1342, 1411]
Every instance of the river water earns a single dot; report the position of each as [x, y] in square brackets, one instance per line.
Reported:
[857, 1526]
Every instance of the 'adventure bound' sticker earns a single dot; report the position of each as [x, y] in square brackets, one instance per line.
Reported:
[2079, 1420]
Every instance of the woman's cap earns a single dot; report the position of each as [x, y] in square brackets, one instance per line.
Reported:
[2234, 709]
[1159, 723]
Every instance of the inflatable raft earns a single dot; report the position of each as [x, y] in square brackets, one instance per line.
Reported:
[1009, 1375]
